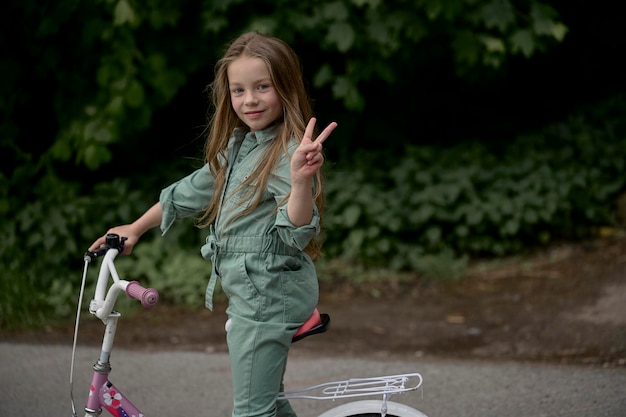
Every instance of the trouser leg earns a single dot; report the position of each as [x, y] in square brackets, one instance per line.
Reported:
[258, 355]
[283, 408]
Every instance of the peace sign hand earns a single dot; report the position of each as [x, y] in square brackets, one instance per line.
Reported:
[308, 158]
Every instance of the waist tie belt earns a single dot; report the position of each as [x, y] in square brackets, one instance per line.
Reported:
[238, 244]
[209, 251]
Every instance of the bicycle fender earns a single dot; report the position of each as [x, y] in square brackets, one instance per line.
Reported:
[357, 408]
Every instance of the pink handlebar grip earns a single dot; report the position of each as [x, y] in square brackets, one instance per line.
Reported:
[147, 296]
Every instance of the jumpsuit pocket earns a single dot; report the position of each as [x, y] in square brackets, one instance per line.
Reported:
[301, 294]
[244, 298]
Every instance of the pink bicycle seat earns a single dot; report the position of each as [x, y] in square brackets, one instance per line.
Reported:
[317, 323]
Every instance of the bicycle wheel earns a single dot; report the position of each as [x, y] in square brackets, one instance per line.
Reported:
[372, 408]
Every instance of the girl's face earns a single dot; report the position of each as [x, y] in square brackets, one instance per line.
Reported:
[252, 93]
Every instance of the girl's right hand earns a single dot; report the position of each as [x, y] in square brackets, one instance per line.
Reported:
[126, 231]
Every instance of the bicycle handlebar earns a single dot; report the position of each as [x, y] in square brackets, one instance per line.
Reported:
[102, 305]
[112, 241]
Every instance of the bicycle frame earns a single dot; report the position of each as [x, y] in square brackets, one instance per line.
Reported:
[104, 395]
[102, 392]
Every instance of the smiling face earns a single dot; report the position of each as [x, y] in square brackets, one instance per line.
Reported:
[252, 93]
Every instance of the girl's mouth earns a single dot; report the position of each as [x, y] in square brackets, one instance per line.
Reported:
[254, 114]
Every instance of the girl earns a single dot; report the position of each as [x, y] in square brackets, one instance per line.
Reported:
[260, 194]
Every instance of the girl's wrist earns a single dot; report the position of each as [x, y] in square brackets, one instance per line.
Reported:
[301, 182]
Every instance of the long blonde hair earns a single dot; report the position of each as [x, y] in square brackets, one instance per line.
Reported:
[286, 75]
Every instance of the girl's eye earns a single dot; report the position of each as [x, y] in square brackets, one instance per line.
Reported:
[237, 90]
[263, 86]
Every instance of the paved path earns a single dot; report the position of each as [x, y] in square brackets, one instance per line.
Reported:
[34, 381]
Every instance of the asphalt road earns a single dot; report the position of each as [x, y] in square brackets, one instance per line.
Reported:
[34, 381]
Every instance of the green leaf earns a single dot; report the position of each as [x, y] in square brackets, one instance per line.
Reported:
[354, 241]
[498, 14]
[336, 10]
[474, 216]
[351, 215]
[342, 35]
[214, 24]
[522, 41]
[263, 24]
[493, 44]
[115, 106]
[96, 130]
[90, 110]
[103, 75]
[558, 31]
[493, 60]
[510, 228]
[135, 95]
[61, 149]
[542, 12]
[423, 214]
[124, 14]
[416, 30]
[345, 89]
[433, 8]
[543, 18]
[323, 76]
[530, 216]
[433, 234]
[96, 155]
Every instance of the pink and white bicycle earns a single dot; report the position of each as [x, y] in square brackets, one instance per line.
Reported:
[103, 395]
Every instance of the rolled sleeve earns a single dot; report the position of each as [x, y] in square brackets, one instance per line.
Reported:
[186, 197]
[296, 236]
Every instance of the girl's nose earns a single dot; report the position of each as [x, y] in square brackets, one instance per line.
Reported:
[250, 98]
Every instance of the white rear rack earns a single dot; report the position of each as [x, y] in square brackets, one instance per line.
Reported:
[357, 387]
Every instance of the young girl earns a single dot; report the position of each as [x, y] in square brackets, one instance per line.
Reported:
[260, 194]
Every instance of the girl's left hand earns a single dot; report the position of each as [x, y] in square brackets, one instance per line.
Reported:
[308, 158]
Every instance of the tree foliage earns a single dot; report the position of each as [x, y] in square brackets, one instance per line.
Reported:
[101, 69]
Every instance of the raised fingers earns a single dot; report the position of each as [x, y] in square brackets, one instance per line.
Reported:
[326, 133]
[308, 133]
[310, 127]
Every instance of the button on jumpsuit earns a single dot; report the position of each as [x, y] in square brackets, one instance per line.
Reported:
[270, 281]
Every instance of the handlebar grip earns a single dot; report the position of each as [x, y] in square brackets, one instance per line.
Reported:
[147, 296]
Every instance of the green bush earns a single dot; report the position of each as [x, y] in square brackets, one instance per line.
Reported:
[472, 199]
[47, 227]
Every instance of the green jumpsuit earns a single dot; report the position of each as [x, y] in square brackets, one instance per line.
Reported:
[270, 281]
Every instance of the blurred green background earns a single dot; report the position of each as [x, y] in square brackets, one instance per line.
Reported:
[467, 128]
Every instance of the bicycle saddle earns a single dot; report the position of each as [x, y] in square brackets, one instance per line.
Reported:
[317, 323]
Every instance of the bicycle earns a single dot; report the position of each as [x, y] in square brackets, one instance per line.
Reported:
[103, 395]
